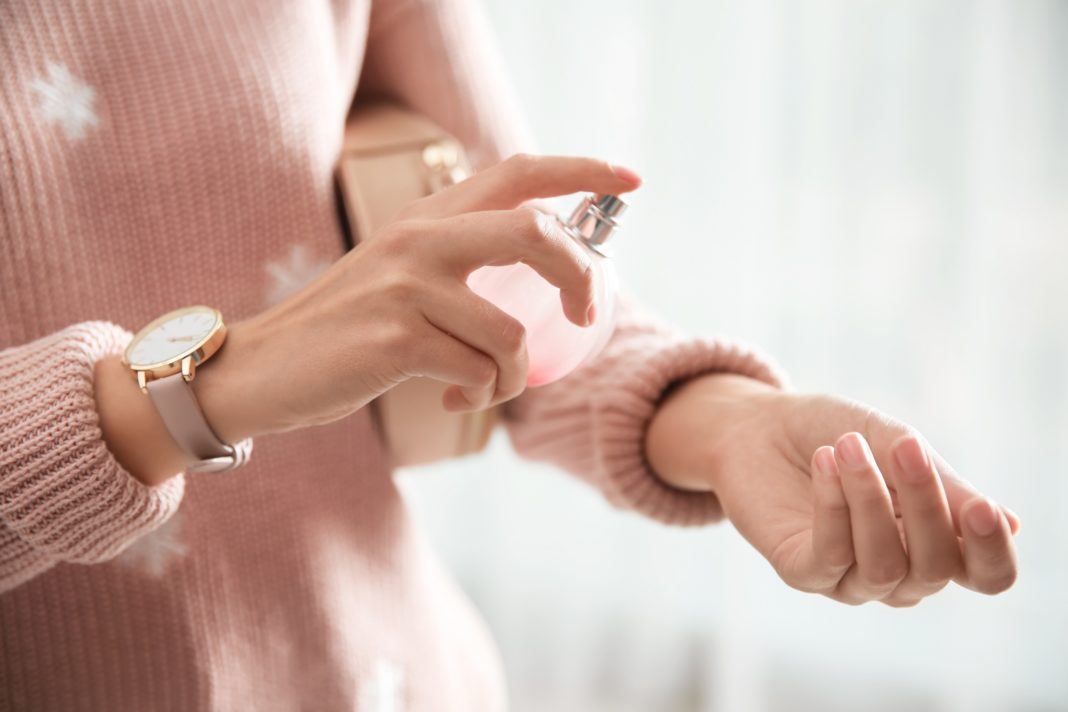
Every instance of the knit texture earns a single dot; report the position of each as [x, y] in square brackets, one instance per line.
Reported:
[61, 492]
[610, 403]
[154, 155]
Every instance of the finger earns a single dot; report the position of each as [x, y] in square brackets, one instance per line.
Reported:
[880, 558]
[989, 555]
[449, 360]
[472, 240]
[933, 551]
[526, 177]
[542, 206]
[481, 325]
[959, 491]
[832, 538]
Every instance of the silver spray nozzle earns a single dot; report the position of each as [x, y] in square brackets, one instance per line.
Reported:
[595, 219]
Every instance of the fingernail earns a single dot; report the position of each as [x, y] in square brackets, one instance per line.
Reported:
[627, 175]
[591, 314]
[825, 462]
[464, 398]
[982, 518]
[1015, 524]
[912, 459]
[853, 450]
[1012, 516]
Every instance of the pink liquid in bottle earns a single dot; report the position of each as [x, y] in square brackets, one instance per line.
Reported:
[555, 345]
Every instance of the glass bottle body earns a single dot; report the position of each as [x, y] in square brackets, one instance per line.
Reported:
[556, 346]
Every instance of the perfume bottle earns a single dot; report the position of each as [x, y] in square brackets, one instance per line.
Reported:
[555, 345]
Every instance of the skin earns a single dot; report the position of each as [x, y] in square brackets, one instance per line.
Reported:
[796, 473]
[841, 499]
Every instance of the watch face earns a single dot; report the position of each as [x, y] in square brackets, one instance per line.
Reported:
[172, 336]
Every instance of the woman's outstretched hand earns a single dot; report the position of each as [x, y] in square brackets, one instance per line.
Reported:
[841, 499]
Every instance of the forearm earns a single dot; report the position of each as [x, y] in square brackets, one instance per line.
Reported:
[456, 78]
[695, 422]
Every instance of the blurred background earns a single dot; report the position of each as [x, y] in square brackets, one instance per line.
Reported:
[876, 193]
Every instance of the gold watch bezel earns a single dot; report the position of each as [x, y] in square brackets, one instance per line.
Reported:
[185, 362]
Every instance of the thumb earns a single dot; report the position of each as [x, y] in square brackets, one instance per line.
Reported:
[959, 491]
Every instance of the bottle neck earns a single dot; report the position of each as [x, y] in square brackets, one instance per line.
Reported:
[595, 220]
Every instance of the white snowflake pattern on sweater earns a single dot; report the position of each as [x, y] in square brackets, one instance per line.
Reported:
[64, 99]
[386, 691]
[153, 552]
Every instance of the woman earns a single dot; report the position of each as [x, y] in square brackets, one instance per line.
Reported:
[180, 153]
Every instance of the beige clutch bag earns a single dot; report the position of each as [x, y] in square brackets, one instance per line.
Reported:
[390, 157]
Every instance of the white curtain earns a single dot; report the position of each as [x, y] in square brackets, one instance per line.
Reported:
[877, 193]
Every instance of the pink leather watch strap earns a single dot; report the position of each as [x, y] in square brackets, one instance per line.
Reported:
[177, 404]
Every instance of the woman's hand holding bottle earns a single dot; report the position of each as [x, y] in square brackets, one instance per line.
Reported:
[399, 307]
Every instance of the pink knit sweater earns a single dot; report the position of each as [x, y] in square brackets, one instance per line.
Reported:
[158, 154]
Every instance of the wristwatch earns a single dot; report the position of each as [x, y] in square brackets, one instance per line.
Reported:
[165, 356]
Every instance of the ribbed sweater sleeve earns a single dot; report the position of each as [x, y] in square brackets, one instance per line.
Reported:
[63, 496]
[592, 423]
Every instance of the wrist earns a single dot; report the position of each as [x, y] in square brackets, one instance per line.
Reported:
[225, 387]
[131, 426]
[697, 420]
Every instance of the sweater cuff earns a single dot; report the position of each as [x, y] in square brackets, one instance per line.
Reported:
[625, 413]
[61, 490]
